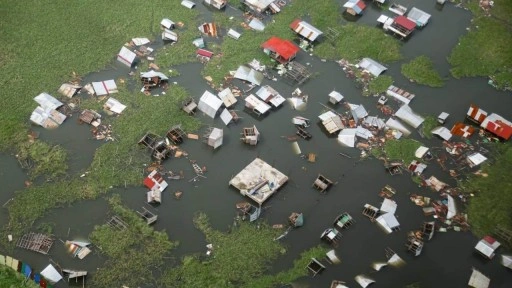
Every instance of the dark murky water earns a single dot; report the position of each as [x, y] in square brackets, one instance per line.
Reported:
[446, 260]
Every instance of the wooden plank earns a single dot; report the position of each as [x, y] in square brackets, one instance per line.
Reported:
[193, 136]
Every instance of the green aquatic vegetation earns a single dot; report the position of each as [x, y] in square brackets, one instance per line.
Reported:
[402, 149]
[12, 279]
[42, 159]
[133, 253]
[492, 203]
[421, 70]
[378, 85]
[427, 126]
[485, 49]
[247, 245]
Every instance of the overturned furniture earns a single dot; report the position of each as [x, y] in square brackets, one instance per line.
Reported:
[322, 183]
[315, 267]
[90, 117]
[414, 245]
[148, 216]
[213, 137]
[370, 211]
[428, 229]
[331, 236]
[303, 133]
[157, 145]
[343, 221]
[247, 209]
[176, 135]
[78, 249]
[251, 135]
[296, 219]
[189, 106]
[36, 242]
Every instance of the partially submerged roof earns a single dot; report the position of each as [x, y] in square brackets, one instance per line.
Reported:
[104, 87]
[356, 5]
[347, 137]
[336, 95]
[126, 56]
[331, 122]
[256, 24]
[477, 158]
[226, 116]
[406, 114]
[364, 280]
[358, 112]
[506, 260]
[152, 73]
[167, 23]
[442, 132]
[47, 101]
[372, 66]
[498, 125]
[284, 48]
[405, 22]
[478, 280]
[140, 41]
[388, 222]
[388, 206]
[248, 74]
[209, 104]
[258, 5]
[256, 104]
[51, 274]
[420, 17]
[114, 105]
[305, 29]
[188, 4]
[69, 90]
[374, 122]
[421, 151]
[269, 94]
[397, 125]
[364, 133]
[258, 180]
[227, 97]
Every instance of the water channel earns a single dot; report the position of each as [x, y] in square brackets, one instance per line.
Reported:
[446, 261]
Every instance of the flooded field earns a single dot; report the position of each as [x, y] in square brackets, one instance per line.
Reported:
[446, 260]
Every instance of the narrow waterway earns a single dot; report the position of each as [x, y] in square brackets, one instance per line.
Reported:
[446, 260]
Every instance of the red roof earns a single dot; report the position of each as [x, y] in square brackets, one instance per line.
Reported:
[285, 48]
[405, 22]
[361, 5]
[489, 239]
[295, 24]
[500, 129]
[204, 52]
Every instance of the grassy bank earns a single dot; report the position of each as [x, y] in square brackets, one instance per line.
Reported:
[44, 43]
[421, 70]
[247, 245]
[492, 203]
[353, 42]
[133, 253]
[485, 49]
[12, 279]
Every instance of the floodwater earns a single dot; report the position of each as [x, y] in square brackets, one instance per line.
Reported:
[446, 260]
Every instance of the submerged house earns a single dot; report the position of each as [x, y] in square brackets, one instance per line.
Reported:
[305, 30]
[152, 79]
[335, 97]
[250, 135]
[249, 74]
[47, 114]
[280, 50]
[355, 7]
[400, 25]
[219, 4]
[209, 104]
[270, 95]
[487, 247]
[157, 145]
[475, 114]
[258, 6]
[213, 137]
[498, 126]
[418, 16]
[372, 66]
[258, 181]
[227, 97]
[331, 122]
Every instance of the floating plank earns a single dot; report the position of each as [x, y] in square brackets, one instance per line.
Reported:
[193, 136]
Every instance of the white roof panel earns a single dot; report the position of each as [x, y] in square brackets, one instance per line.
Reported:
[442, 132]
[406, 114]
[347, 137]
[140, 41]
[46, 101]
[126, 56]
[51, 274]
[151, 74]
[225, 116]
[372, 66]
[167, 23]
[104, 87]
[188, 4]
[209, 104]
[388, 206]
[115, 106]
